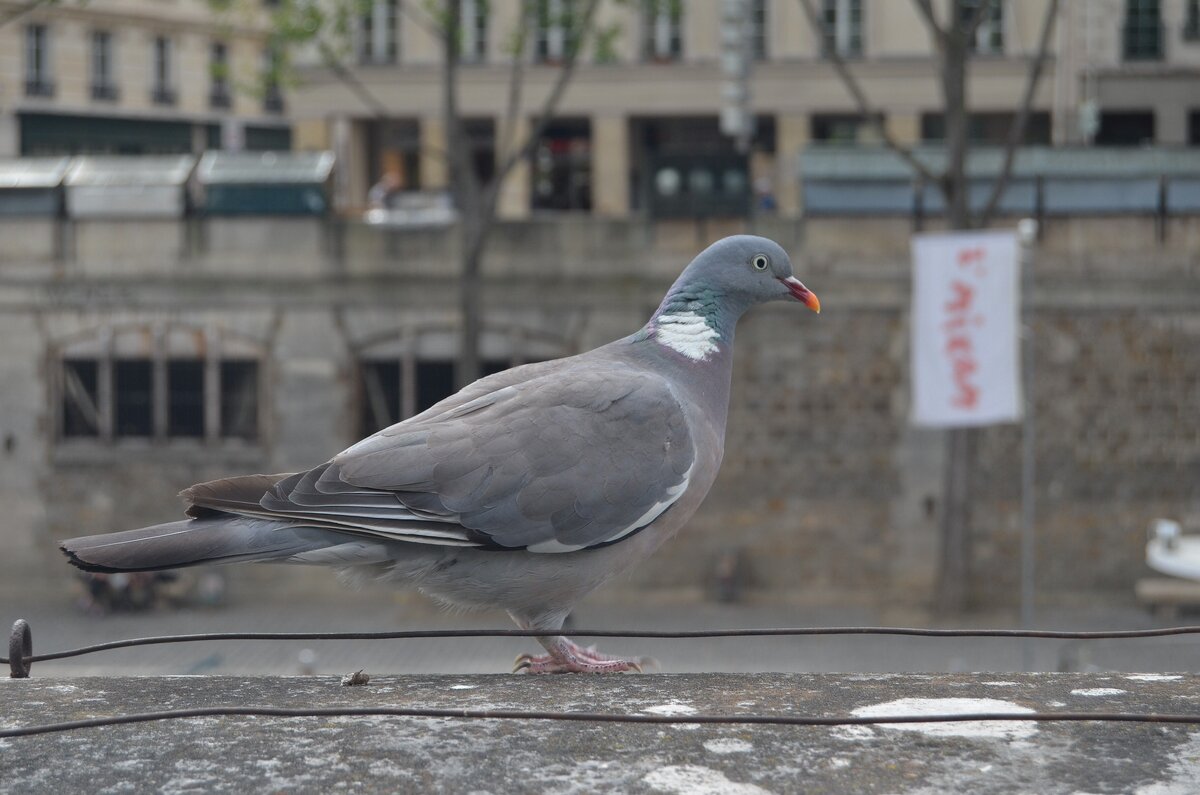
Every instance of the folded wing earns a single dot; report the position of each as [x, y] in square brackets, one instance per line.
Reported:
[565, 460]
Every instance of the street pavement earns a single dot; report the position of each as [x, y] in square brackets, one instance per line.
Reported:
[58, 623]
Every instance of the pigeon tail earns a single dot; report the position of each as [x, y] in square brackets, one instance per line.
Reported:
[219, 538]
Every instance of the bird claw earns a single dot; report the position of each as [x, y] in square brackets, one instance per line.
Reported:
[571, 658]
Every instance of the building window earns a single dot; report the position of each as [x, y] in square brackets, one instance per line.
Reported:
[758, 29]
[1191, 23]
[272, 60]
[103, 87]
[163, 91]
[407, 373]
[1194, 128]
[1143, 32]
[842, 28]
[474, 30]
[989, 36]
[662, 27]
[843, 129]
[39, 80]
[990, 128]
[1125, 128]
[556, 30]
[219, 96]
[378, 40]
[156, 384]
[562, 167]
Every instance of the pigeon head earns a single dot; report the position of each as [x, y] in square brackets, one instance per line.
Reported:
[723, 281]
[746, 270]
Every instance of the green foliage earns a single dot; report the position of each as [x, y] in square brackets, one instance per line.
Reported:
[606, 42]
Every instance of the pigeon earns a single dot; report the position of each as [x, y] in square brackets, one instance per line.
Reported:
[526, 490]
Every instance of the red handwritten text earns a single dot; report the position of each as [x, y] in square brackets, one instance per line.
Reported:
[961, 320]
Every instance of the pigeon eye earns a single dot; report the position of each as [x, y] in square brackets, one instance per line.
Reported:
[760, 262]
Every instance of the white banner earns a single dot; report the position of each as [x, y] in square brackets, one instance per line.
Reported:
[965, 349]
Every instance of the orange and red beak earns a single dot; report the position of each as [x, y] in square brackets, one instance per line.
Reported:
[802, 293]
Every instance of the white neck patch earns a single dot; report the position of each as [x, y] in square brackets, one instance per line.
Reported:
[687, 333]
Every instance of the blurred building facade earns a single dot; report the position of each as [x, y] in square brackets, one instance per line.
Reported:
[648, 97]
[190, 339]
[135, 77]
[222, 345]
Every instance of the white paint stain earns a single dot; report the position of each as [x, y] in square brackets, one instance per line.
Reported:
[994, 730]
[730, 745]
[1181, 775]
[463, 687]
[697, 780]
[1000, 684]
[673, 708]
[687, 333]
[839, 762]
[1098, 691]
[854, 733]
[1154, 677]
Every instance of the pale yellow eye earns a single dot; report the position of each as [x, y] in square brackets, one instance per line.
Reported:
[760, 262]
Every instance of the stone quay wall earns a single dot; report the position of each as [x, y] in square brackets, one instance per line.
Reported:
[827, 495]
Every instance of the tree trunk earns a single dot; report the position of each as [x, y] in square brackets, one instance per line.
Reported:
[472, 235]
[955, 570]
[954, 90]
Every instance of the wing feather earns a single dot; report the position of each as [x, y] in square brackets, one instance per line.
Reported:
[571, 457]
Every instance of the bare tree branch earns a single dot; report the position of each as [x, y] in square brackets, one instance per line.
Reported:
[864, 107]
[925, 8]
[515, 84]
[464, 183]
[421, 17]
[550, 106]
[334, 64]
[1016, 133]
[976, 19]
[21, 10]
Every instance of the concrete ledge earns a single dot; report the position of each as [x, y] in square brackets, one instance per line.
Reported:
[239, 754]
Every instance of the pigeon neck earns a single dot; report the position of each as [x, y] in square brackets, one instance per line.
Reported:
[695, 322]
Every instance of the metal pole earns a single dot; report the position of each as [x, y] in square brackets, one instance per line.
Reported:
[1027, 230]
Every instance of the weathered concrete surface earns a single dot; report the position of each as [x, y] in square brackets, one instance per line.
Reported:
[376, 754]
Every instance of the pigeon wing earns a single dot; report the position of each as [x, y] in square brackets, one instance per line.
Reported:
[568, 459]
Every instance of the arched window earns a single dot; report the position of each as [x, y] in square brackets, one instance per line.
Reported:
[406, 371]
[158, 382]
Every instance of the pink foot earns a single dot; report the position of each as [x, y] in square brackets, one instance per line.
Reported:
[566, 657]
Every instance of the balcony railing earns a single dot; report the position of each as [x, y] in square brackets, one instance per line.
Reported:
[163, 96]
[1143, 42]
[273, 101]
[39, 87]
[220, 99]
[105, 92]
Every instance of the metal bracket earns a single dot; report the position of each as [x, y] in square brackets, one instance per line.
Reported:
[20, 649]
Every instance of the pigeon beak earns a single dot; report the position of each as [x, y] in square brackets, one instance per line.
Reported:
[802, 293]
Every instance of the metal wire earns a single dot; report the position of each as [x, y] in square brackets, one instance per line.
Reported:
[594, 717]
[20, 647]
[615, 633]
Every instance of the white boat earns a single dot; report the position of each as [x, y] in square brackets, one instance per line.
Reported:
[1171, 552]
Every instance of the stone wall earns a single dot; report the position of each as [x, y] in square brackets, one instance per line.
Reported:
[827, 494]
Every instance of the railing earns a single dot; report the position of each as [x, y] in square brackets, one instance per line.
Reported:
[163, 96]
[220, 99]
[21, 657]
[39, 87]
[105, 92]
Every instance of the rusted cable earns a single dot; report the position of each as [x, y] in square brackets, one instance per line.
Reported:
[593, 717]
[622, 633]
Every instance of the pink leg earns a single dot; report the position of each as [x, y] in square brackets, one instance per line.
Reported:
[567, 657]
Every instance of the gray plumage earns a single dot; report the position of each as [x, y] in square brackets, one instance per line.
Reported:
[525, 490]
